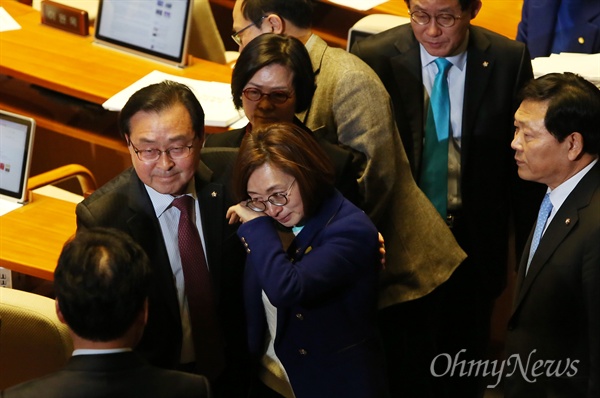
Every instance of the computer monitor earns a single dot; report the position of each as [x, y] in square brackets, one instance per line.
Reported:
[157, 29]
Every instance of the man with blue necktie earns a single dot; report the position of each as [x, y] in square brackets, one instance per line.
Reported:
[458, 147]
[555, 320]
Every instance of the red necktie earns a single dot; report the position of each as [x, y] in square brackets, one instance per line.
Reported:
[208, 346]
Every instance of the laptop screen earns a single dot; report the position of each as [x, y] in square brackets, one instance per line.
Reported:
[16, 145]
[157, 29]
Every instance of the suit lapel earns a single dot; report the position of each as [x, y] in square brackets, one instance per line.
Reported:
[480, 64]
[211, 202]
[302, 244]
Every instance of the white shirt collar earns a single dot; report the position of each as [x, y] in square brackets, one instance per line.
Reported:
[161, 201]
[559, 194]
[97, 351]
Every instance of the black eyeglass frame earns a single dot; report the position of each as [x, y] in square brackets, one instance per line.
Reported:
[236, 35]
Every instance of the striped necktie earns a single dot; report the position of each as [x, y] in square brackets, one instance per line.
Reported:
[544, 213]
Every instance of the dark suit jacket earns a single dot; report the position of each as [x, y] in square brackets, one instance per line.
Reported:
[557, 305]
[325, 291]
[112, 375]
[538, 27]
[496, 70]
[345, 174]
[123, 203]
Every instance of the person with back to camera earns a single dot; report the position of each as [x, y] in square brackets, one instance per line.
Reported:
[310, 284]
[101, 283]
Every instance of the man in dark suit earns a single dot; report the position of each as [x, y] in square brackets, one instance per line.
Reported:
[163, 126]
[480, 182]
[101, 284]
[555, 325]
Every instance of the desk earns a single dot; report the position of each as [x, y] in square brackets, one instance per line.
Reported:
[61, 79]
[332, 21]
[32, 246]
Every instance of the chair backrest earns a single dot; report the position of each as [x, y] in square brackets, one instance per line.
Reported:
[33, 342]
[205, 40]
[373, 24]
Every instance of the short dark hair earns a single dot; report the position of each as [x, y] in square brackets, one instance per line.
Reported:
[158, 97]
[464, 4]
[298, 12]
[101, 283]
[573, 106]
[294, 152]
[268, 49]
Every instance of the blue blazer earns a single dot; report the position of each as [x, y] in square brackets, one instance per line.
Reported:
[325, 291]
[574, 23]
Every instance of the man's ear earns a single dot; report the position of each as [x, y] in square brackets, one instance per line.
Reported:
[475, 9]
[276, 23]
[59, 312]
[575, 143]
[145, 312]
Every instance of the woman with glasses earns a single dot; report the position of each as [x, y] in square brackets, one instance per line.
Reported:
[273, 80]
[310, 283]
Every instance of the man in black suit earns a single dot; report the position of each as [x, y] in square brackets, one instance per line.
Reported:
[101, 284]
[556, 314]
[163, 126]
[482, 189]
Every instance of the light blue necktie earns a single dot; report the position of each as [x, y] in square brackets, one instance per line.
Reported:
[544, 213]
[434, 174]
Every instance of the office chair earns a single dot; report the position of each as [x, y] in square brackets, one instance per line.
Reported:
[373, 24]
[205, 40]
[33, 342]
[43, 183]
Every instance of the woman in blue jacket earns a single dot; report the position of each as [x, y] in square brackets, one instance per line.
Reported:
[311, 271]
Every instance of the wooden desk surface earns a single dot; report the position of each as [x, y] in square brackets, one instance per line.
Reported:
[32, 237]
[332, 21]
[73, 65]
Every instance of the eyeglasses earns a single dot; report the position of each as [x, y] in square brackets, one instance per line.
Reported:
[444, 20]
[277, 97]
[236, 35]
[152, 155]
[277, 199]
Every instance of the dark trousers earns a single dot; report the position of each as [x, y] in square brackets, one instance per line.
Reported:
[423, 340]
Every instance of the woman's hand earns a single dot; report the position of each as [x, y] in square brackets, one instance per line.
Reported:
[242, 214]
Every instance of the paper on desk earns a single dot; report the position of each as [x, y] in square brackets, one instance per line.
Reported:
[7, 22]
[585, 65]
[362, 5]
[214, 97]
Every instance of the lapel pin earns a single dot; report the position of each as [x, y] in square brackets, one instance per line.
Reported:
[485, 64]
[567, 221]
[213, 194]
